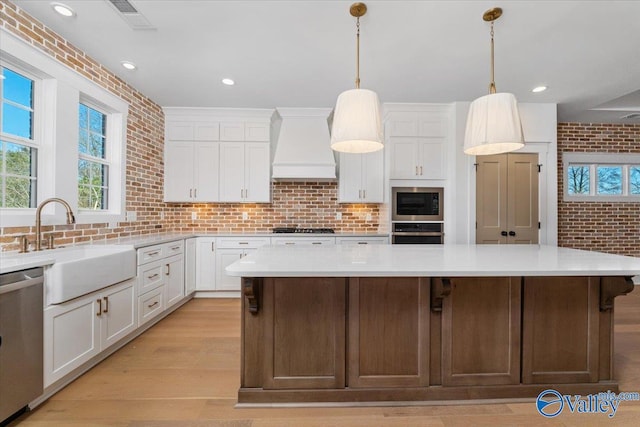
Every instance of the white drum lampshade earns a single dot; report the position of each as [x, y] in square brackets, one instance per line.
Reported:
[357, 125]
[493, 125]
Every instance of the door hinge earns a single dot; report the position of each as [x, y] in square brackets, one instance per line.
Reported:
[475, 165]
[539, 168]
[538, 225]
[476, 225]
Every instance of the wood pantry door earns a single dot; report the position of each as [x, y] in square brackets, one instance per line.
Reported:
[507, 199]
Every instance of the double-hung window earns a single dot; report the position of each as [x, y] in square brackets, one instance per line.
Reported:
[93, 164]
[601, 177]
[18, 145]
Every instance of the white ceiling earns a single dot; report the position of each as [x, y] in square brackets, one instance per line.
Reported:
[302, 53]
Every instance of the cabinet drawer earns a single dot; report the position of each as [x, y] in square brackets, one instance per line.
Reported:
[150, 253]
[150, 305]
[248, 242]
[150, 276]
[362, 240]
[303, 240]
[173, 248]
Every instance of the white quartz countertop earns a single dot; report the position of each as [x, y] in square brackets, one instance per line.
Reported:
[431, 260]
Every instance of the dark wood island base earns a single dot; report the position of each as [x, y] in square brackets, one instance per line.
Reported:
[411, 339]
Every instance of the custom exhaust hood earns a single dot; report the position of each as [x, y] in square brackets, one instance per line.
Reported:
[303, 151]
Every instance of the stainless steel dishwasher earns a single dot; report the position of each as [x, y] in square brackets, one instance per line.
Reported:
[21, 341]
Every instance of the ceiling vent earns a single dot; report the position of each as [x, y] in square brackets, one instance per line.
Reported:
[631, 116]
[131, 16]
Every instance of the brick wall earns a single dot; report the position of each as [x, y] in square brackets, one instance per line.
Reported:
[306, 204]
[612, 227]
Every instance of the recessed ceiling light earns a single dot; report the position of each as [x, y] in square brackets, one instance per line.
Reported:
[128, 65]
[63, 9]
[539, 89]
[228, 82]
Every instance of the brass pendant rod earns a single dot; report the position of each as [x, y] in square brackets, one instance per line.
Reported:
[492, 85]
[358, 53]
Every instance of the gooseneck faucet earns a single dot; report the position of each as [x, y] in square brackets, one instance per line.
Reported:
[70, 218]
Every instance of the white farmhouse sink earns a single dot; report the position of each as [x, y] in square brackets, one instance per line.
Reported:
[80, 270]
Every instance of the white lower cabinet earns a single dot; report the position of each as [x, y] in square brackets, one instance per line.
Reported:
[231, 249]
[77, 330]
[190, 265]
[205, 267]
[161, 278]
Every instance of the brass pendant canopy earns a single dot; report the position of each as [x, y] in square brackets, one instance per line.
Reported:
[493, 122]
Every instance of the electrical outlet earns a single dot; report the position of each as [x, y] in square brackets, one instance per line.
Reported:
[339, 216]
[131, 216]
[245, 216]
[161, 215]
[368, 216]
[194, 216]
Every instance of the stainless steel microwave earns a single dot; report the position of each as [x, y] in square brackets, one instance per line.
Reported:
[417, 204]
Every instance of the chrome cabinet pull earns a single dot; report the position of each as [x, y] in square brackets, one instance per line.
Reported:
[243, 243]
[153, 276]
[364, 194]
[152, 305]
[106, 302]
[363, 243]
[191, 193]
[416, 170]
[316, 243]
[168, 270]
[99, 313]
[175, 248]
[153, 253]
[212, 243]
[420, 170]
[195, 193]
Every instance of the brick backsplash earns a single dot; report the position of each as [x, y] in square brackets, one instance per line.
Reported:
[612, 227]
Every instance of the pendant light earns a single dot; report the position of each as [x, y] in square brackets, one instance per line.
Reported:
[493, 123]
[357, 127]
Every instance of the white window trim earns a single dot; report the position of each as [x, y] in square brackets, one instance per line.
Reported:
[58, 151]
[593, 160]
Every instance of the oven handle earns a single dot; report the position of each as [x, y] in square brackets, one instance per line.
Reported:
[425, 233]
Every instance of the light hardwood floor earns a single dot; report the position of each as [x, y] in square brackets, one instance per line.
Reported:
[185, 372]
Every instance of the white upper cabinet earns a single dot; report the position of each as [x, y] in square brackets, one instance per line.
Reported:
[418, 144]
[191, 172]
[245, 172]
[361, 178]
[244, 131]
[194, 168]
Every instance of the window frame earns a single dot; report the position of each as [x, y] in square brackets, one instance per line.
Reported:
[60, 90]
[105, 161]
[594, 160]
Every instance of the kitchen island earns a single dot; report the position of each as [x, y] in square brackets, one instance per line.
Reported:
[427, 323]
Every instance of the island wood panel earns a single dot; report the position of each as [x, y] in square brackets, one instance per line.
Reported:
[388, 332]
[435, 341]
[481, 331]
[560, 330]
[304, 332]
[252, 342]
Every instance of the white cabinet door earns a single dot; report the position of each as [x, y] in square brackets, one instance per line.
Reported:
[118, 312]
[362, 240]
[206, 163]
[350, 178]
[404, 164]
[302, 241]
[231, 172]
[256, 131]
[373, 177]
[432, 158]
[190, 266]
[257, 173]
[71, 336]
[225, 257]
[180, 131]
[174, 272]
[232, 131]
[205, 276]
[206, 131]
[178, 171]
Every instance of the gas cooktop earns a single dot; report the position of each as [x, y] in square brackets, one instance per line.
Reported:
[303, 230]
